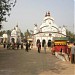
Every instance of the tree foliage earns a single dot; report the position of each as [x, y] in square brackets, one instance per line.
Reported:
[2, 32]
[71, 36]
[8, 32]
[22, 34]
[27, 34]
[5, 8]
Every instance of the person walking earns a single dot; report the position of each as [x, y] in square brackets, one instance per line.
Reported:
[4, 44]
[73, 54]
[27, 46]
[17, 45]
[22, 45]
[45, 47]
[39, 47]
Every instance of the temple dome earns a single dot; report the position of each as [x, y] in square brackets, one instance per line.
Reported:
[48, 24]
[48, 18]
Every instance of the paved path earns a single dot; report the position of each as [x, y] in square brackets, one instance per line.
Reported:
[20, 62]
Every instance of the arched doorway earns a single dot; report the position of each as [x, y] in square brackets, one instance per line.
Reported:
[49, 43]
[43, 42]
[12, 40]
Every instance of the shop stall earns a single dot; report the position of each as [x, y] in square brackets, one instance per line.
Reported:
[60, 44]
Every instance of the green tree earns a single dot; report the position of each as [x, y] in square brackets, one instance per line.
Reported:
[22, 34]
[71, 36]
[2, 32]
[9, 32]
[27, 34]
[5, 8]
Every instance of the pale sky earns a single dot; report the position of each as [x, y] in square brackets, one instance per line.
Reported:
[28, 12]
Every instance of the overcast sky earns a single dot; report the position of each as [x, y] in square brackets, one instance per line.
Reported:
[28, 12]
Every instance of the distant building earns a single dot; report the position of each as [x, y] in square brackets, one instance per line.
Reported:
[47, 30]
[16, 34]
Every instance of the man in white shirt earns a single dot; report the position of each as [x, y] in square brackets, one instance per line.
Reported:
[73, 53]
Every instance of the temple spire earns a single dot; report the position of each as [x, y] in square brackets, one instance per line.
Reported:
[17, 24]
[48, 13]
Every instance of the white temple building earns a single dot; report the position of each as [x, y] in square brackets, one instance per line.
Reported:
[48, 29]
[16, 34]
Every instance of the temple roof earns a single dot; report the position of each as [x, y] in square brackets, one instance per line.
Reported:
[16, 31]
[48, 23]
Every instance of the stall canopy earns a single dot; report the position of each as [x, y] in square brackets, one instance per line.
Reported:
[61, 38]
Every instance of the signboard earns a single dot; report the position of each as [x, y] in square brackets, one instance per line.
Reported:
[60, 42]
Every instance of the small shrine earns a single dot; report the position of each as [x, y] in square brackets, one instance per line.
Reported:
[16, 34]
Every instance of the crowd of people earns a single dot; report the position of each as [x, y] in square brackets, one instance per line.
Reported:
[12, 45]
[70, 48]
